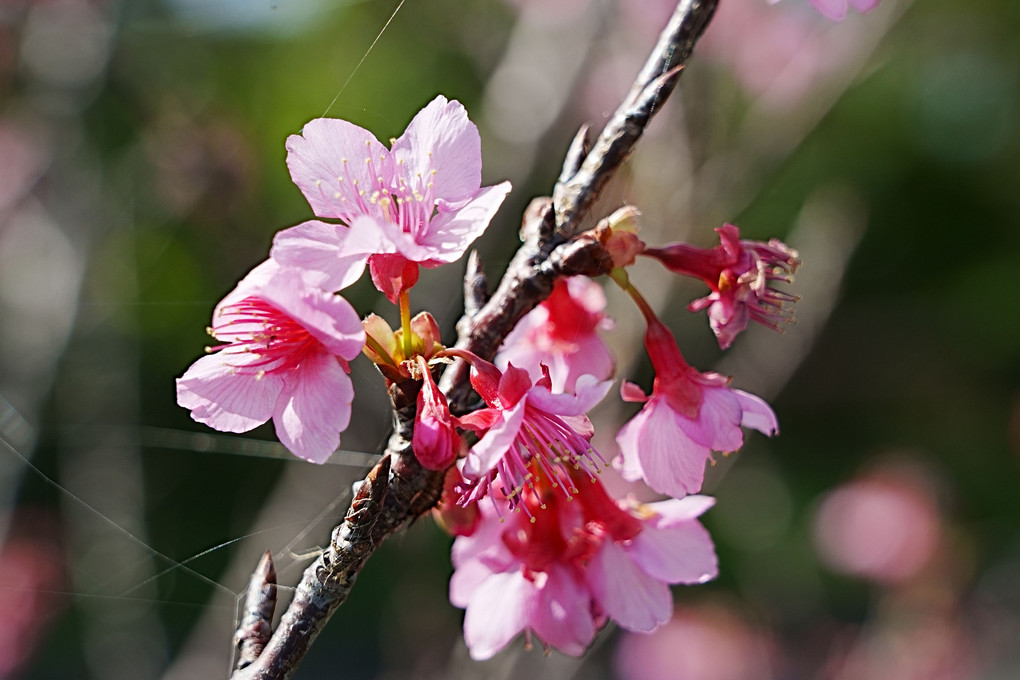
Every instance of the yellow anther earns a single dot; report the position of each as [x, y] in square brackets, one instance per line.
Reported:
[337, 194]
[260, 375]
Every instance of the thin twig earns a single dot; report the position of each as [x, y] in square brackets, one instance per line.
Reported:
[259, 606]
[398, 490]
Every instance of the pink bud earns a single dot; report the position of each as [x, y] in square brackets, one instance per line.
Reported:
[435, 441]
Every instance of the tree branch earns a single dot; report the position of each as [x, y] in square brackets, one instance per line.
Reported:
[398, 490]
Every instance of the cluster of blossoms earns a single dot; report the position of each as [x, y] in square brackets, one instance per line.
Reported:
[541, 548]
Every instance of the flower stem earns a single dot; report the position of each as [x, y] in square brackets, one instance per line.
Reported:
[405, 322]
[619, 276]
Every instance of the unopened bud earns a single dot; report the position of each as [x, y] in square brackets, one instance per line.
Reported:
[623, 244]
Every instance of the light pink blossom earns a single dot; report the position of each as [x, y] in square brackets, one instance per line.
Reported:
[526, 422]
[418, 203]
[562, 335]
[285, 357]
[741, 275]
[560, 570]
[688, 416]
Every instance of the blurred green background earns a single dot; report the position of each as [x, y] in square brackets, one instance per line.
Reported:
[142, 174]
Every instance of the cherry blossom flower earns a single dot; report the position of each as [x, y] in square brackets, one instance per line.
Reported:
[837, 9]
[418, 203]
[526, 422]
[560, 570]
[561, 334]
[689, 415]
[285, 357]
[741, 275]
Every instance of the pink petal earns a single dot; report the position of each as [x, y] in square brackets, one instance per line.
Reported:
[448, 235]
[468, 578]
[329, 149]
[497, 613]
[831, 9]
[485, 545]
[673, 511]
[226, 400]
[514, 384]
[627, 594]
[589, 392]
[330, 256]
[562, 616]
[680, 554]
[718, 423]
[631, 392]
[670, 462]
[757, 414]
[441, 138]
[314, 408]
[484, 455]
[479, 420]
[592, 357]
[329, 318]
[628, 466]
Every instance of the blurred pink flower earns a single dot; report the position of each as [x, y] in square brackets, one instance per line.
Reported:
[562, 573]
[285, 357]
[21, 161]
[741, 275]
[526, 422]
[884, 527]
[561, 334]
[689, 415]
[777, 53]
[837, 9]
[703, 643]
[32, 578]
[420, 202]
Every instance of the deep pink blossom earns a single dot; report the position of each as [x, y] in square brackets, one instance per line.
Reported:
[741, 275]
[418, 203]
[837, 9]
[435, 441]
[526, 422]
[561, 334]
[561, 569]
[285, 352]
[688, 416]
